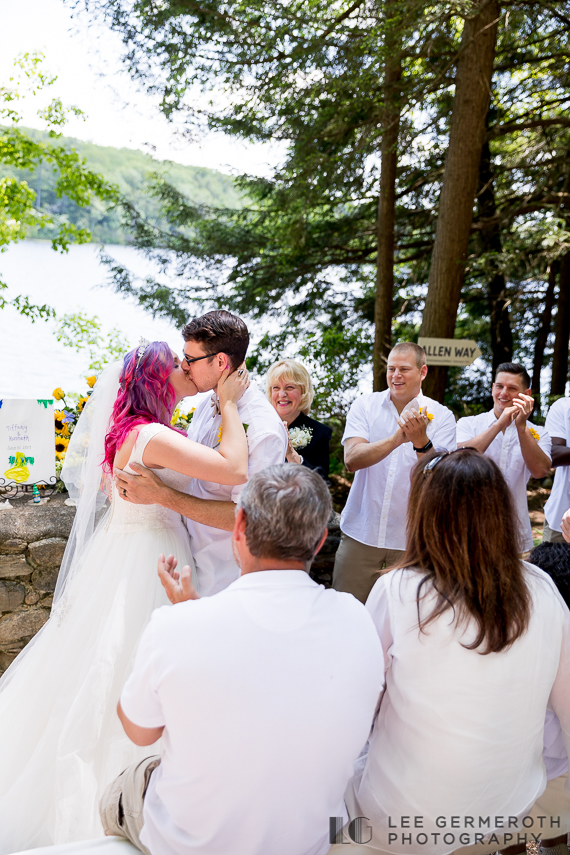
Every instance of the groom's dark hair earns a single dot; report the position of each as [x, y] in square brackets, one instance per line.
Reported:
[220, 332]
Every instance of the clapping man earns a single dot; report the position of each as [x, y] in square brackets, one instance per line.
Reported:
[519, 448]
[386, 433]
[264, 694]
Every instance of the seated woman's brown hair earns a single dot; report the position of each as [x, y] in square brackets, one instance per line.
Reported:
[462, 533]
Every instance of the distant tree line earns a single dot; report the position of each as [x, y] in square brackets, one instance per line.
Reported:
[426, 188]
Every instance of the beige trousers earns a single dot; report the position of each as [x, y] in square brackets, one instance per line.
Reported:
[358, 566]
[121, 805]
[550, 536]
[549, 817]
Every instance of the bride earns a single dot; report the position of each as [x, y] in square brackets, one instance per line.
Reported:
[61, 741]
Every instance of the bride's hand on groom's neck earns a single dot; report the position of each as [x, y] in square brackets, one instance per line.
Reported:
[232, 384]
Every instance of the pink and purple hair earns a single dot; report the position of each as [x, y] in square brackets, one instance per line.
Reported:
[145, 396]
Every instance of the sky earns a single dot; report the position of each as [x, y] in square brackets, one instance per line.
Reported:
[86, 58]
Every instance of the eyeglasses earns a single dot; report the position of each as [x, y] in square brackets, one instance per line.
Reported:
[429, 467]
[191, 359]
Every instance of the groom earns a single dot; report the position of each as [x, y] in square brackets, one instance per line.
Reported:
[210, 343]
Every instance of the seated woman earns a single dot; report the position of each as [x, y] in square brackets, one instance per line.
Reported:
[476, 645]
[288, 386]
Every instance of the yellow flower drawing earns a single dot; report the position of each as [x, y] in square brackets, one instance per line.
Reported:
[19, 472]
[61, 425]
[91, 381]
[534, 433]
[58, 394]
[424, 411]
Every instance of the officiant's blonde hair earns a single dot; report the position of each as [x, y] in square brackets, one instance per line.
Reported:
[294, 372]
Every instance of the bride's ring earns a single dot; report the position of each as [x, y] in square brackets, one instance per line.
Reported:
[124, 492]
[240, 372]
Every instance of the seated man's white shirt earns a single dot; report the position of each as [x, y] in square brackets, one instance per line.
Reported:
[558, 424]
[375, 513]
[505, 451]
[267, 444]
[267, 692]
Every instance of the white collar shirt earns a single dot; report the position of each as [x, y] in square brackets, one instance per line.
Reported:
[267, 692]
[459, 736]
[558, 424]
[375, 513]
[267, 444]
[505, 451]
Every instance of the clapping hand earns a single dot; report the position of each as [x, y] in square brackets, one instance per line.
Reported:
[178, 586]
[523, 405]
[414, 426]
[565, 526]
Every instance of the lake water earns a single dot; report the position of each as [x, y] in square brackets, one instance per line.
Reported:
[32, 362]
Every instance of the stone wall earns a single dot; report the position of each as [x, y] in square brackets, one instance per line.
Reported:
[32, 543]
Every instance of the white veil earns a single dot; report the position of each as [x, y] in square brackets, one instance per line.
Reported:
[82, 472]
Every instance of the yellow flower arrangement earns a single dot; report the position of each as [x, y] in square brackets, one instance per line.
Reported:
[61, 426]
[58, 394]
[91, 381]
[534, 433]
[424, 411]
[61, 444]
[81, 403]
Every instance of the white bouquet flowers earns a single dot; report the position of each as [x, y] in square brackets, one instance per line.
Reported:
[300, 437]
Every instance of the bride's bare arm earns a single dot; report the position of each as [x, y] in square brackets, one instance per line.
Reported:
[227, 463]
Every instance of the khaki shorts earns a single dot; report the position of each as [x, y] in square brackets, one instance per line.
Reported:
[551, 536]
[121, 805]
[358, 566]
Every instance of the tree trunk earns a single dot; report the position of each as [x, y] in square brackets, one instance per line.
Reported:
[561, 331]
[466, 133]
[500, 322]
[542, 336]
[383, 305]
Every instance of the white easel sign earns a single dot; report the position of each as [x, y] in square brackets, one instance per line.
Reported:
[27, 446]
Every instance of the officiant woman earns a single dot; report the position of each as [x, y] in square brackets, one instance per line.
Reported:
[290, 390]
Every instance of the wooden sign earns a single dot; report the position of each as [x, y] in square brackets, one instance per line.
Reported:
[449, 351]
[27, 444]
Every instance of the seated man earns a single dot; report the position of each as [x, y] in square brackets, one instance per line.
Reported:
[264, 693]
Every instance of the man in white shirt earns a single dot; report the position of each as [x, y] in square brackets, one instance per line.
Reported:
[518, 447]
[210, 343]
[263, 694]
[386, 433]
[558, 426]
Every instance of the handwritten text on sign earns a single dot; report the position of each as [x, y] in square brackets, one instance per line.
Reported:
[27, 454]
[449, 351]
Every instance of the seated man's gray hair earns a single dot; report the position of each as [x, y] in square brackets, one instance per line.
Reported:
[287, 509]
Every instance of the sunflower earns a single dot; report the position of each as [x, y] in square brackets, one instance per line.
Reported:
[91, 381]
[534, 433]
[81, 403]
[58, 394]
[61, 444]
[61, 425]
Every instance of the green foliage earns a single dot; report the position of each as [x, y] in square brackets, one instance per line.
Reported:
[301, 253]
[133, 173]
[80, 332]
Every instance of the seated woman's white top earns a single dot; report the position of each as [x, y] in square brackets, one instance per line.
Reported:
[458, 734]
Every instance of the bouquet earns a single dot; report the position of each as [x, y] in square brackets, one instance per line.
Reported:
[300, 437]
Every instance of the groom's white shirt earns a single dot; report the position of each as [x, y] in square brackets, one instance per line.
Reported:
[267, 442]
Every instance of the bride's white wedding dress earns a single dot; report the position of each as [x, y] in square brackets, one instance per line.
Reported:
[61, 741]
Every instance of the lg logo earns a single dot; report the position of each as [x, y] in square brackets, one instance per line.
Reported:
[355, 831]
